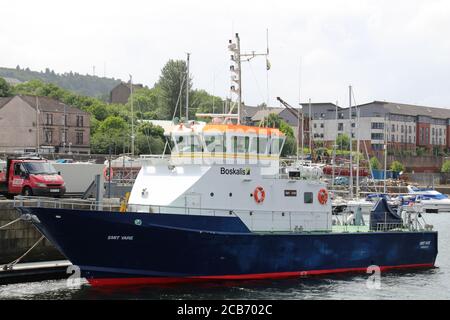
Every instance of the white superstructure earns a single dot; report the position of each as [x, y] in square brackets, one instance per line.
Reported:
[231, 170]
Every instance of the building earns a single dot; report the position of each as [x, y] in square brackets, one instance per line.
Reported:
[121, 92]
[403, 127]
[60, 128]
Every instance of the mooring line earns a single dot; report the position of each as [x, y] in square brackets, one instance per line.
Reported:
[9, 223]
[10, 265]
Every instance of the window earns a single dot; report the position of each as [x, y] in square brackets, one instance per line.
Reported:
[340, 126]
[79, 121]
[409, 129]
[393, 128]
[49, 119]
[240, 144]
[48, 134]
[353, 124]
[377, 136]
[401, 129]
[214, 143]
[79, 137]
[262, 145]
[275, 145]
[315, 125]
[187, 143]
[308, 197]
[377, 125]
[321, 125]
[377, 146]
[432, 131]
[341, 115]
[63, 136]
[409, 139]
[440, 131]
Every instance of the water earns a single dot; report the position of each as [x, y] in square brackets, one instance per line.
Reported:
[424, 284]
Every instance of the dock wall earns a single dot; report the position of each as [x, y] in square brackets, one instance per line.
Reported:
[17, 238]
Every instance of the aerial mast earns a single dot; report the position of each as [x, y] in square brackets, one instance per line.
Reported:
[187, 86]
[132, 116]
[351, 142]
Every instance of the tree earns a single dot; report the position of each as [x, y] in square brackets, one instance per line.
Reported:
[148, 101]
[397, 166]
[201, 101]
[275, 121]
[171, 82]
[5, 88]
[446, 166]
[112, 132]
[343, 142]
[150, 139]
[375, 163]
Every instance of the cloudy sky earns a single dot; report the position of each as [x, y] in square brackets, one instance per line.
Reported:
[387, 50]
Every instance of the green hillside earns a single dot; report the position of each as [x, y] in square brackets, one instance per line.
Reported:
[87, 85]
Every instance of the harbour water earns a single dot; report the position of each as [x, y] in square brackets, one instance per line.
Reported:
[424, 284]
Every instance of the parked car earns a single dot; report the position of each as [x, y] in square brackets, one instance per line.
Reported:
[341, 181]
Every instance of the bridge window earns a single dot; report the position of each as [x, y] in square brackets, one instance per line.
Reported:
[276, 144]
[240, 144]
[215, 143]
[187, 143]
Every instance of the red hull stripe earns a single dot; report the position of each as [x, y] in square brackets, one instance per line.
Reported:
[276, 275]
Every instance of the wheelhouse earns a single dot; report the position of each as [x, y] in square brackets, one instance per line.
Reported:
[222, 142]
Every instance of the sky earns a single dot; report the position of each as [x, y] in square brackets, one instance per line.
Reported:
[396, 50]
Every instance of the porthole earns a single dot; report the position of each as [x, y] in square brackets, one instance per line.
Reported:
[212, 194]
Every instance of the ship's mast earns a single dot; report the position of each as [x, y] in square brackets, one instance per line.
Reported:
[351, 140]
[132, 116]
[237, 58]
[187, 87]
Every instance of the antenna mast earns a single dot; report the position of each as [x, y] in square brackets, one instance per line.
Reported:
[132, 116]
[187, 86]
[237, 57]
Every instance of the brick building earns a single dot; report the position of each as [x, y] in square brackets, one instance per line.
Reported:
[402, 126]
[121, 92]
[29, 121]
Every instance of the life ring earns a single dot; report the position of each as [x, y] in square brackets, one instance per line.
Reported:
[108, 173]
[259, 194]
[322, 196]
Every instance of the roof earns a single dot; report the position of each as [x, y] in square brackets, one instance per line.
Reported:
[414, 110]
[240, 128]
[261, 114]
[4, 100]
[47, 104]
[248, 111]
[408, 109]
[136, 86]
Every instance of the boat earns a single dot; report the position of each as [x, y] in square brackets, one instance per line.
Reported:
[430, 200]
[218, 209]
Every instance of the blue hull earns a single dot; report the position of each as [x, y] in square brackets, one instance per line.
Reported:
[117, 248]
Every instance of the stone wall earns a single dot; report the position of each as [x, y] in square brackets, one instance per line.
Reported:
[17, 238]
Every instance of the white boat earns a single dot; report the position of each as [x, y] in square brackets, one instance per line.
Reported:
[431, 201]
